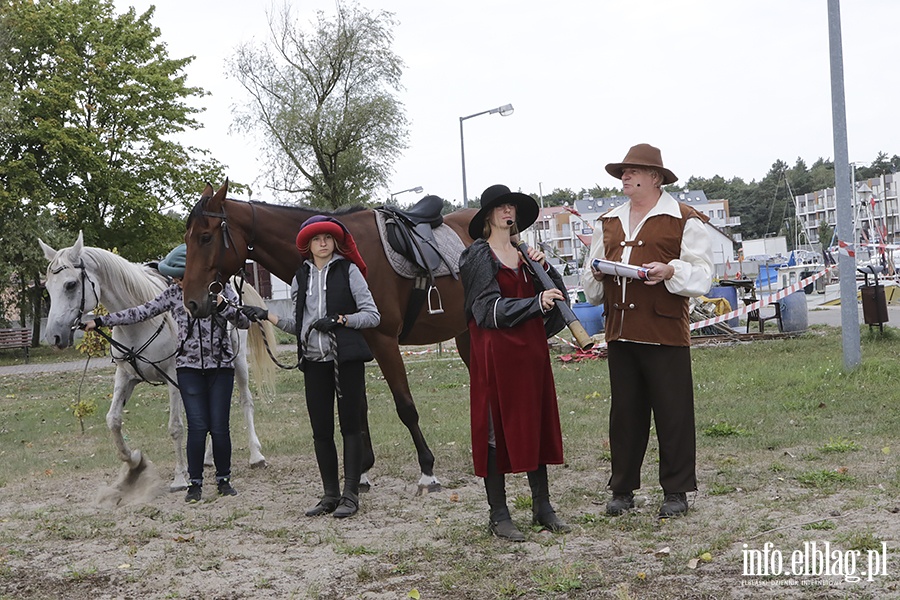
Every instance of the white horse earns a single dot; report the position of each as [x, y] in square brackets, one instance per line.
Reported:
[81, 277]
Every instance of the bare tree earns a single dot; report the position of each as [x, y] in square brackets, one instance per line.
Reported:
[325, 104]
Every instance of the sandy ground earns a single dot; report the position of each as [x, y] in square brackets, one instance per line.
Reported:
[58, 541]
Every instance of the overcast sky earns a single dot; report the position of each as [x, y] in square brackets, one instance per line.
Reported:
[722, 87]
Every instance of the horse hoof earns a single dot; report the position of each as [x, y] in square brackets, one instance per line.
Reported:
[177, 487]
[428, 484]
[429, 488]
[364, 487]
[260, 464]
[137, 460]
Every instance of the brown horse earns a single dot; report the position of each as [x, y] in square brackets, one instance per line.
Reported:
[223, 233]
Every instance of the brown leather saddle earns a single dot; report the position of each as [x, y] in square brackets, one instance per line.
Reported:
[410, 233]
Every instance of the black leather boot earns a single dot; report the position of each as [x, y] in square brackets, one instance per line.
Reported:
[541, 510]
[620, 502]
[349, 503]
[326, 457]
[674, 505]
[495, 485]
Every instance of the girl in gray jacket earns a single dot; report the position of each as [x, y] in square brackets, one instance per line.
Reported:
[332, 303]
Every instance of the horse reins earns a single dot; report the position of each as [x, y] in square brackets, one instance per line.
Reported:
[228, 242]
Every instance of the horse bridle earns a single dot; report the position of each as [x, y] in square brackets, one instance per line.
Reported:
[129, 355]
[228, 242]
[84, 276]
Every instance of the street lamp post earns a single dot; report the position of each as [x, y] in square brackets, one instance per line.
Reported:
[417, 189]
[505, 111]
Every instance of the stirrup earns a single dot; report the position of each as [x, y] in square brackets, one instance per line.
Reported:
[440, 308]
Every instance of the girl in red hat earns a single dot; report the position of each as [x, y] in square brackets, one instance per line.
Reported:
[332, 303]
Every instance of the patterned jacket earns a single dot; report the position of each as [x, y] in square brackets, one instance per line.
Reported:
[203, 343]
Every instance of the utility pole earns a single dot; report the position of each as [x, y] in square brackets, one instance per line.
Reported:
[846, 261]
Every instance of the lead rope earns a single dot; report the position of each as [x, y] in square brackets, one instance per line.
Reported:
[266, 342]
[333, 338]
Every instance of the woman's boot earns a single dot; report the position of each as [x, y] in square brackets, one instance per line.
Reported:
[541, 509]
[349, 503]
[495, 485]
[326, 457]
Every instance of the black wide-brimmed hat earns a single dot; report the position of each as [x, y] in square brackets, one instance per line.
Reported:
[526, 208]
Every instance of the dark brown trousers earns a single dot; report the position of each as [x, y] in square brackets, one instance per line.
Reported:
[646, 378]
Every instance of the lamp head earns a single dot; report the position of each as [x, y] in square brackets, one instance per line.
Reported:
[506, 110]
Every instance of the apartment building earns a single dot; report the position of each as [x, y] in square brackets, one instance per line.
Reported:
[876, 218]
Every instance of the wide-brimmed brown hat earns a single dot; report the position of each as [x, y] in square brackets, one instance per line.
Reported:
[526, 208]
[642, 155]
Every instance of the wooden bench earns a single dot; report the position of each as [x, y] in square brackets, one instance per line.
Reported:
[16, 338]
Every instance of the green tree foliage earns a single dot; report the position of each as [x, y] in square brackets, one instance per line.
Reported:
[601, 192]
[95, 99]
[826, 232]
[767, 206]
[558, 197]
[324, 101]
[88, 102]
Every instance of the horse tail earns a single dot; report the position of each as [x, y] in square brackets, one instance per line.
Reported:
[261, 335]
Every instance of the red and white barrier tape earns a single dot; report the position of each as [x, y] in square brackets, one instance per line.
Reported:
[764, 302]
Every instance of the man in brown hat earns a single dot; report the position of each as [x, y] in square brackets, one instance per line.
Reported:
[647, 327]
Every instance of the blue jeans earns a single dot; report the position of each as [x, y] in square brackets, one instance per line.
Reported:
[206, 394]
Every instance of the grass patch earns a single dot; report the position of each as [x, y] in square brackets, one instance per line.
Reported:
[776, 420]
[355, 550]
[555, 580]
[861, 540]
[723, 430]
[823, 478]
[840, 445]
[720, 489]
[824, 525]
[40, 355]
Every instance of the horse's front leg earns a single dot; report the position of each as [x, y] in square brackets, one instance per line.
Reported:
[242, 379]
[368, 454]
[176, 432]
[387, 353]
[123, 387]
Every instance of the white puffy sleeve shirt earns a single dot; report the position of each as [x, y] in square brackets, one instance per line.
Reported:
[693, 268]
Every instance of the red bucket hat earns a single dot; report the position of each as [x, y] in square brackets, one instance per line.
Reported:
[345, 245]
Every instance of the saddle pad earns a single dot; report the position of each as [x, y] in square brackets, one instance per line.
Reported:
[449, 246]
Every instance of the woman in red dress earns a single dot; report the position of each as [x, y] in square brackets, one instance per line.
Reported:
[514, 414]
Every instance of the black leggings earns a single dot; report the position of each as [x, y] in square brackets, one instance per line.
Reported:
[319, 384]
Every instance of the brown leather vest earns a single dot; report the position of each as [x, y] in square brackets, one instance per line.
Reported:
[649, 313]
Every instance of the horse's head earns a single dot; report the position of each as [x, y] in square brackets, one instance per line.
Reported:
[72, 291]
[216, 250]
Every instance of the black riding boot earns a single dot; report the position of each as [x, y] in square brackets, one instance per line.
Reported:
[495, 485]
[541, 509]
[326, 456]
[349, 503]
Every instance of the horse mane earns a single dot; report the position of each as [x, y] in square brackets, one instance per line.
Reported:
[199, 208]
[140, 283]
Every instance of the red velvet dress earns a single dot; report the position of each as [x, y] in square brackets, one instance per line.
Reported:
[511, 377]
